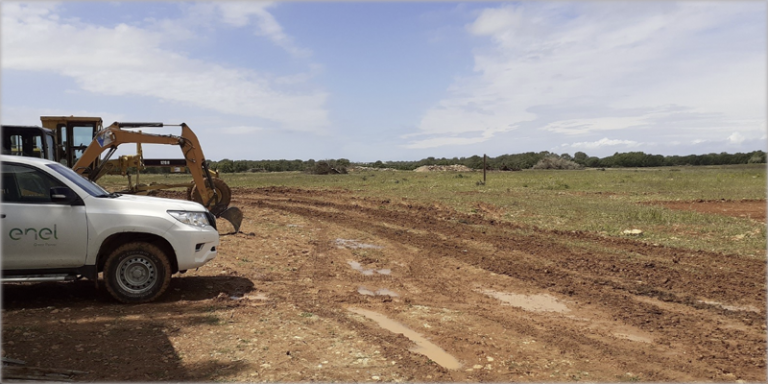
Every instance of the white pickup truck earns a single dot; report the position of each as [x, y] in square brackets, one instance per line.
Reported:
[57, 225]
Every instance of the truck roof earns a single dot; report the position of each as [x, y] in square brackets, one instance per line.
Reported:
[26, 160]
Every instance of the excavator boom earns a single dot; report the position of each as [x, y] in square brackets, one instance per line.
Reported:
[214, 194]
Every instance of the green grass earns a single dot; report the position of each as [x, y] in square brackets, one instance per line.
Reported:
[606, 202]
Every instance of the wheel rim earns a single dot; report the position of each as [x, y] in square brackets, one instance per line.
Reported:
[137, 274]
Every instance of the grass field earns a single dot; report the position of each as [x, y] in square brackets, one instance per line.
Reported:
[606, 202]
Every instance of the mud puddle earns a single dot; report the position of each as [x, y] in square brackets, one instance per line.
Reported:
[423, 346]
[368, 272]
[354, 244]
[378, 292]
[533, 303]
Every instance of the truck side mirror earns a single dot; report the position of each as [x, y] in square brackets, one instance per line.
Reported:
[64, 195]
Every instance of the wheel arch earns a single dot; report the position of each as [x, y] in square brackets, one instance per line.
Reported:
[116, 240]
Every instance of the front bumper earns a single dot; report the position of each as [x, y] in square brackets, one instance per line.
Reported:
[194, 246]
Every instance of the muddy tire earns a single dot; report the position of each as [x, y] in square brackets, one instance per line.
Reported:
[221, 200]
[137, 273]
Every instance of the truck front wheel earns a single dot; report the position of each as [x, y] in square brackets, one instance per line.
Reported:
[137, 273]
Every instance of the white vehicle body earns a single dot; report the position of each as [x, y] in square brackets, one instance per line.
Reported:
[45, 234]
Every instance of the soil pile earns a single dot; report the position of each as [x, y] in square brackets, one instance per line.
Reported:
[363, 169]
[443, 168]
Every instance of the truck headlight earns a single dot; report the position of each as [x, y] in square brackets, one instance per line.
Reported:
[195, 219]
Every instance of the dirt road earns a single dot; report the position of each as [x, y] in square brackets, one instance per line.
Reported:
[329, 286]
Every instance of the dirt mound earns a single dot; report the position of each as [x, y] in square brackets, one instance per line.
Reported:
[443, 168]
[363, 169]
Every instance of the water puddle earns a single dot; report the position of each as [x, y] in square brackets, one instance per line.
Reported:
[378, 292]
[423, 346]
[732, 308]
[533, 303]
[368, 272]
[354, 244]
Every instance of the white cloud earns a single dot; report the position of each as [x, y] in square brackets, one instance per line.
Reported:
[239, 14]
[129, 60]
[736, 138]
[444, 141]
[605, 142]
[579, 126]
[627, 61]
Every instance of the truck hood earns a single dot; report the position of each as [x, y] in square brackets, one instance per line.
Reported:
[158, 203]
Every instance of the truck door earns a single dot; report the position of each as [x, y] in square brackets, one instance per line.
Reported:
[36, 232]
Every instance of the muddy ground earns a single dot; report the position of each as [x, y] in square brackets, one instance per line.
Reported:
[329, 286]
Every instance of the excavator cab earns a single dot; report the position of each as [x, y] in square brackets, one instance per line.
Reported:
[30, 141]
[73, 135]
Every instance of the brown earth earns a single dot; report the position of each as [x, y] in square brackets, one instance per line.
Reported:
[312, 287]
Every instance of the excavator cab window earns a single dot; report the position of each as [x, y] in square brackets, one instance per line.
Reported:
[74, 138]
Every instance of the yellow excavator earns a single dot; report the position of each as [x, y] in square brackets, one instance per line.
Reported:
[80, 141]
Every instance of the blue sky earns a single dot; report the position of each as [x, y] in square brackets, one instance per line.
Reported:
[373, 81]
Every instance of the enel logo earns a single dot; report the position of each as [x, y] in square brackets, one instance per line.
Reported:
[41, 234]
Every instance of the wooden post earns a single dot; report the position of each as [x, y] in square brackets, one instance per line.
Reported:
[484, 156]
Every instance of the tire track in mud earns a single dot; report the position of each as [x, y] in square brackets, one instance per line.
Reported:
[589, 275]
[678, 271]
[566, 257]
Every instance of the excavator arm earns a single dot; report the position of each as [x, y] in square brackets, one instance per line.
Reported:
[109, 138]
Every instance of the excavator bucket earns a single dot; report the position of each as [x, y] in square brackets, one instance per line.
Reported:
[234, 215]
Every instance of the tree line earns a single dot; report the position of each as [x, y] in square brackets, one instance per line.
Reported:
[507, 162]
[527, 160]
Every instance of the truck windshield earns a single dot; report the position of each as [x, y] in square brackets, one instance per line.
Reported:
[92, 188]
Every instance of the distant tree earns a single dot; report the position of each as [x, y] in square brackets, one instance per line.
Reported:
[225, 166]
[580, 157]
[593, 162]
[239, 166]
[475, 162]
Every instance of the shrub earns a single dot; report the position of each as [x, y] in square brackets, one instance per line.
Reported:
[327, 167]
